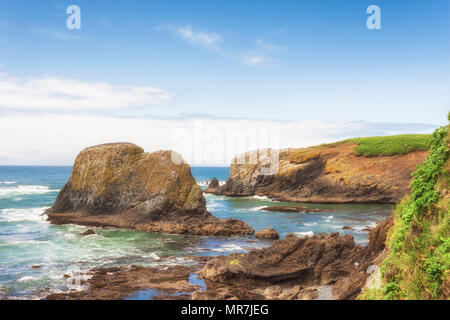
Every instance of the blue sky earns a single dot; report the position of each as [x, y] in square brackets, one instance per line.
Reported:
[295, 61]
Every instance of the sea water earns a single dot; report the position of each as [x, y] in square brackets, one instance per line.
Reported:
[35, 255]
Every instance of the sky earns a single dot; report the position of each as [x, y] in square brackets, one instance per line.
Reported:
[212, 79]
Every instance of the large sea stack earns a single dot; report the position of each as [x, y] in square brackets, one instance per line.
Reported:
[323, 174]
[119, 185]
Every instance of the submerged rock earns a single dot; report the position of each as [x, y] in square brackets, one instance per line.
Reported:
[294, 209]
[270, 234]
[88, 232]
[323, 174]
[119, 185]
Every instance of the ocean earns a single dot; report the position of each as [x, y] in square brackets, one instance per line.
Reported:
[35, 255]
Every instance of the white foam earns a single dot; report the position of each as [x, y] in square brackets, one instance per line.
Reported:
[207, 182]
[264, 198]
[31, 214]
[304, 234]
[23, 190]
[25, 279]
[8, 182]
[311, 224]
[229, 247]
[256, 208]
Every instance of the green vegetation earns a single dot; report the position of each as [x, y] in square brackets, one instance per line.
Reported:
[418, 264]
[391, 145]
[387, 145]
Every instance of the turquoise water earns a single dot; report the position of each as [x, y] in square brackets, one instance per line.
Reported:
[27, 240]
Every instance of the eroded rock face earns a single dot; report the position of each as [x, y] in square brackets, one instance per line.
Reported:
[318, 260]
[119, 185]
[324, 174]
[301, 265]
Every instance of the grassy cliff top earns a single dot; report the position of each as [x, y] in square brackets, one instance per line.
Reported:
[388, 145]
[418, 263]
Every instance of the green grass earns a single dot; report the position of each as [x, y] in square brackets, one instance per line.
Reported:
[386, 145]
[391, 145]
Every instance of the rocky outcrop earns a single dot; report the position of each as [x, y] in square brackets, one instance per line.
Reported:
[323, 174]
[269, 234]
[309, 263]
[119, 185]
[214, 183]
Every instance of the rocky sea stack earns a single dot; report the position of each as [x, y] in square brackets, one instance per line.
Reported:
[119, 185]
[334, 173]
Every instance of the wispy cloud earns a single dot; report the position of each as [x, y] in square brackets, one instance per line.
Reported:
[55, 93]
[204, 39]
[195, 36]
[260, 55]
[256, 59]
[55, 34]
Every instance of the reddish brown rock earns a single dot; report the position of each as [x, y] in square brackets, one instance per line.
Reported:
[269, 234]
[323, 174]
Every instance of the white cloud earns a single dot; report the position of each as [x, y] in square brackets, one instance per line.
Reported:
[256, 59]
[209, 40]
[55, 93]
[57, 139]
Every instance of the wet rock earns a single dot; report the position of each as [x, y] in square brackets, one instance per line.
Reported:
[293, 209]
[119, 185]
[301, 266]
[36, 267]
[347, 228]
[269, 234]
[88, 232]
[121, 282]
[321, 259]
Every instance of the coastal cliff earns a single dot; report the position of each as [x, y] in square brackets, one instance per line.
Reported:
[417, 263]
[342, 172]
[119, 185]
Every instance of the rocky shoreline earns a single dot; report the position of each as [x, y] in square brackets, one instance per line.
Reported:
[325, 266]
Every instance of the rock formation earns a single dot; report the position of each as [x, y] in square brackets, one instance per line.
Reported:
[308, 263]
[323, 174]
[119, 185]
[270, 234]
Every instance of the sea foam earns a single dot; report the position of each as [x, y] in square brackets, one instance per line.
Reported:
[24, 190]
